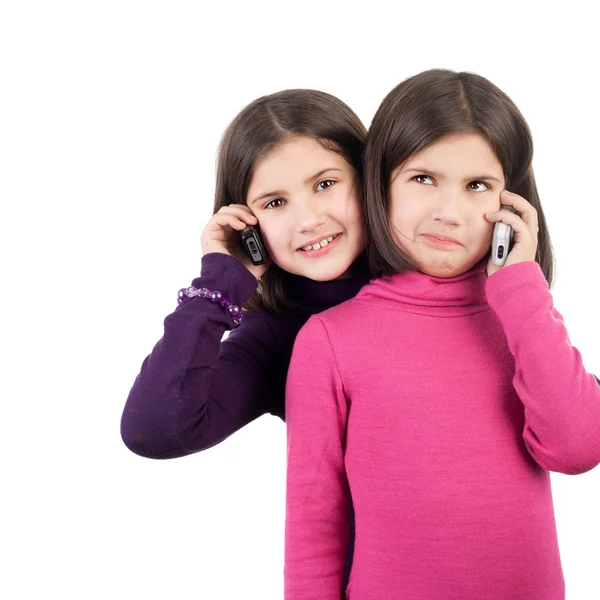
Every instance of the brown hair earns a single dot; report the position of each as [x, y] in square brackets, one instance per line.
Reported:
[418, 112]
[258, 128]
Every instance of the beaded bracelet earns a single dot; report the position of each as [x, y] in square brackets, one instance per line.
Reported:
[214, 296]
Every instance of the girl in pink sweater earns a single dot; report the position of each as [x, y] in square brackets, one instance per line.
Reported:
[440, 397]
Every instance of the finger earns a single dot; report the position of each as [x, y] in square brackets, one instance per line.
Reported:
[523, 207]
[241, 211]
[504, 216]
[227, 220]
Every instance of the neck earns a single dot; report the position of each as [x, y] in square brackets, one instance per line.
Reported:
[427, 294]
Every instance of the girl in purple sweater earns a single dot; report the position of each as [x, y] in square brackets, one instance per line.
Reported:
[290, 163]
[442, 395]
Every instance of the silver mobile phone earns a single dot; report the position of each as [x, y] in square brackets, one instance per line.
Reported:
[254, 245]
[502, 239]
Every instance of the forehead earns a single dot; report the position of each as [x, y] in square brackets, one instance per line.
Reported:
[294, 160]
[458, 153]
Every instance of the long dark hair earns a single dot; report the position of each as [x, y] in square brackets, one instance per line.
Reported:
[258, 128]
[418, 112]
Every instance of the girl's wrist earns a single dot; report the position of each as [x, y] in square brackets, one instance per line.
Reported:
[227, 274]
[511, 280]
[214, 296]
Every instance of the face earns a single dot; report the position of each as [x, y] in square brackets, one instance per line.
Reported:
[438, 200]
[306, 201]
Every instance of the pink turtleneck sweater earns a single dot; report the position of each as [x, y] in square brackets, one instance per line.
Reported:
[438, 406]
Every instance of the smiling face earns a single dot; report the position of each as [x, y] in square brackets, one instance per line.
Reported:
[305, 198]
[438, 200]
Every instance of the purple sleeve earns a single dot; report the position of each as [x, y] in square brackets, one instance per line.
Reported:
[194, 390]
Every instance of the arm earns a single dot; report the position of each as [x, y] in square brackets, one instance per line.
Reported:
[317, 500]
[194, 390]
[561, 399]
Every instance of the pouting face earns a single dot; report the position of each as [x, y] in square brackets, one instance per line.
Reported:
[438, 199]
[306, 200]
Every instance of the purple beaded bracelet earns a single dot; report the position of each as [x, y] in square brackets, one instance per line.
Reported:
[214, 296]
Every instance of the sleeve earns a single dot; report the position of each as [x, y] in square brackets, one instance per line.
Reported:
[194, 390]
[317, 495]
[561, 399]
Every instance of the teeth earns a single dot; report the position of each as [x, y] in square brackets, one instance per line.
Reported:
[320, 244]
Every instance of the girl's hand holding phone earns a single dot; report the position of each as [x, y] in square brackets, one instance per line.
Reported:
[222, 234]
[524, 226]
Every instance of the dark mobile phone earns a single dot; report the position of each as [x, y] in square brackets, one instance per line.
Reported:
[254, 245]
[502, 240]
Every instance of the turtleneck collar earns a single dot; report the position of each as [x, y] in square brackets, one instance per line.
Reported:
[436, 296]
[316, 296]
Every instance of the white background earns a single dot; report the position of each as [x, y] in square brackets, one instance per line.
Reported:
[110, 116]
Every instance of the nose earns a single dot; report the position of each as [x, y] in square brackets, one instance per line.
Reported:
[448, 210]
[308, 216]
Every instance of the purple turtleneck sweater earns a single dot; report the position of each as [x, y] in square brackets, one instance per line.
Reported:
[194, 390]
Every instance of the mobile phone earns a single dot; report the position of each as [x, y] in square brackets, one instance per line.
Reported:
[254, 245]
[502, 239]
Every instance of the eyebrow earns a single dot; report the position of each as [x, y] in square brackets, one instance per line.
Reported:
[306, 182]
[442, 176]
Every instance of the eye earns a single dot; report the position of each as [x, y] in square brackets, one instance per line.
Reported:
[275, 203]
[421, 178]
[325, 184]
[478, 183]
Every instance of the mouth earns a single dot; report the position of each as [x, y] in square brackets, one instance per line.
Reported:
[435, 239]
[320, 246]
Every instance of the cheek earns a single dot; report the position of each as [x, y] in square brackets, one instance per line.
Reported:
[355, 214]
[405, 215]
[409, 204]
[481, 230]
[273, 236]
[345, 208]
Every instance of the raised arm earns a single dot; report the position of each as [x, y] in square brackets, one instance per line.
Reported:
[194, 390]
[561, 399]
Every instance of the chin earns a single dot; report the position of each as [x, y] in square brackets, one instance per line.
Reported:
[325, 274]
[324, 271]
[447, 268]
[442, 268]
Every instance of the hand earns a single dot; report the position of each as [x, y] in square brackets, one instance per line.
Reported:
[525, 228]
[221, 234]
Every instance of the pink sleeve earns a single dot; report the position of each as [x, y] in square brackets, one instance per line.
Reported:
[317, 499]
[561, 399]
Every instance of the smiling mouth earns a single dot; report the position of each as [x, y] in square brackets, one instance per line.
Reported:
[321, 244]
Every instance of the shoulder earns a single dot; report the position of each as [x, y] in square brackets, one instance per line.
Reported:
[332, 325]
[340, 314]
